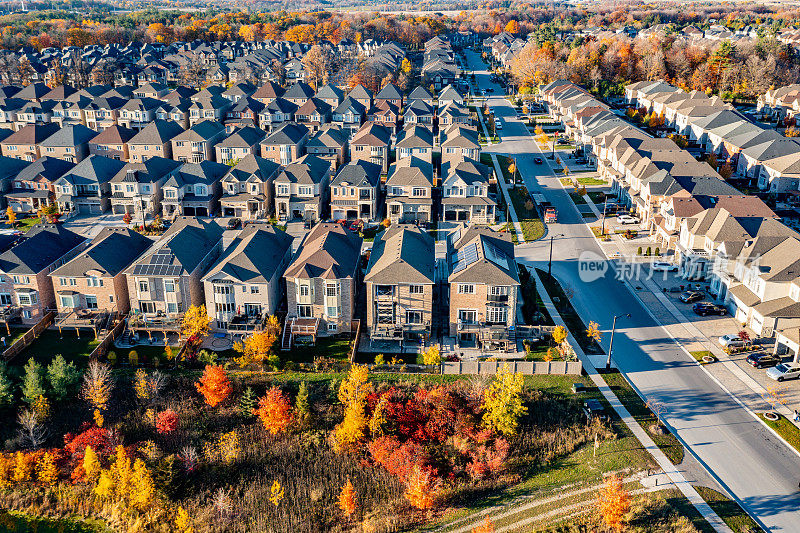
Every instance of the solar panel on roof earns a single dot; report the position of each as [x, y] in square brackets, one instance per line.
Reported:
[465, 257]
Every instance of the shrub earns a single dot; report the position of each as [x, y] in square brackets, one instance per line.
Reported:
[657, 251]
[648, 251]
[133, 358]
[112, 357]
[639, 251]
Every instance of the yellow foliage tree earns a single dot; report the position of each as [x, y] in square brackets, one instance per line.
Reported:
[142, 486]
[46, 470]
[12, 216]
[353, 394]
[97, 387]
[228, 447]
[141, 385]
[183, 523]
[419, 489]
[91, 465]
[559, 334]
[347, 499]
[502, 402]
[105, 485]
[196, 322]
[276, 493]
[23, 467]
[432, 356]
[593, 332]
[613, 503]
[378, 420]
[256, 348]
[406, 66]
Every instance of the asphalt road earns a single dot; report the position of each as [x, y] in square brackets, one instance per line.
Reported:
[740, 453]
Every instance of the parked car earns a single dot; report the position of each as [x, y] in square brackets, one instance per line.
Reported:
[538, 160]
[784, 371]
[627, 219]
[234, 223]
[763, 360]
[498, 124]
[673, 289]
[663, 266]
[594, 409]
[691, 296]
[707, 308]
[730, 340]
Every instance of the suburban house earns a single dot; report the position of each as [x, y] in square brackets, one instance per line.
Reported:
[418, 112]
[349, 115]
[321, 283]
[460, 142]
[245, 285]
[449, 95]
[34, 186]
[392, 94]
[313, 114]
[193, 189]
[167, 279]
[278, 111]
[24, 143]
[26, 290]
[70, 143]
[371, 143]
[239, 144]
[197, 144]
[136, 189]
[355, 192]
[301, 189]
[285, 144]
[94, 281]
[268, 92]
[331, 95]
[330, 144]
[386, 114]
[247, 188]
[484, 288]
[415, 141]
[362, 95]
[112, 142]
[465, 192]
[86, 188]
[409, 191]
[154, 140]
[400, 281]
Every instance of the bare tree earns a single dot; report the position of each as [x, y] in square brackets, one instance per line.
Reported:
[279, 71]
[317, 62]
[32, 432]
[192, 72]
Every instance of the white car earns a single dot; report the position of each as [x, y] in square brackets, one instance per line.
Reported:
[728, 341]
[784, 371]
[627, 219]
[498, 124]
[663, 266]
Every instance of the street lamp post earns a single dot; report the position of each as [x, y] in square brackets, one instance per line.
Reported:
[611, 343]
[550, 260]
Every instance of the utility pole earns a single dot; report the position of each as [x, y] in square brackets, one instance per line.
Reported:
[550, 260]
[611, 343]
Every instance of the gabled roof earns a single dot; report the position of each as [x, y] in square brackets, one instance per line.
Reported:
[299, 90]
[109, 253]
[243, 137]
[202, 131]
[50, 168]
[330, 91]
[480, 255]
[157, 132]
[288, 133]
[149, 171]
[32, 134]
[415, 136]
[308, 170]
[360, 92]
[114, 135]
[253, 256]
[358, 174]
[329, 251]
[403, 253]
[93, 170]
[252, 165]
[269, 90]
[70, 135]
[330, 137]
[42, 246]
[180, 250]
[390, 92]
[372, 134]
[205, 172]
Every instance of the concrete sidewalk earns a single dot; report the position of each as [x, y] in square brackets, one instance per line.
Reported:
[675, 476]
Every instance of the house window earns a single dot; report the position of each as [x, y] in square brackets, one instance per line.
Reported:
[418, 191]
[304, 311]
[91, 302]
[498, 290]
[331, 289]
[27, 298]
[332, 327]
[66, 301]
[283, 190]
[5, 299]
[169, 285]
[172, 307]
[254, 289]
[147, 307]
[496, 315]
[92, 281]
[144, 286]
[416, 289]
[304, 290]
[333, 312]
[413, 317]
[466, 288]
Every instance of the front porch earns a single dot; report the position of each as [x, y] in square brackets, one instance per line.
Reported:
[244, 206]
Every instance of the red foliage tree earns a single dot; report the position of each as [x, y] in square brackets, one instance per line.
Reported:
[166, 422]
[275, 411]
[214, 385]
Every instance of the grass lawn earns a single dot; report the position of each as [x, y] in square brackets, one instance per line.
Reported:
[26, 224]
[566, 182]
[571, 318]
[337, 347]
[533, 310]
[509, 227]
[700, 354]
[532, 225]
[598, 197]
[786, 429]
[729, 511]
[577, 198]
[591, 181]
[597, 233]
[680, 503]
[668, 444]
[50, 344]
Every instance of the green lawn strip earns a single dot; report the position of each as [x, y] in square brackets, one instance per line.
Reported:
[597, 231]
[597, 197]
[730, 511]
[328, 347]
[50, 343]
[591, 181]
[532, 225]
[668, 444]
[571, 318]
[533, 309]
[577, 198]
[509, 227]
[684, 507]
[566, 182]
[698, 355]
[786, 429]
[25, 224]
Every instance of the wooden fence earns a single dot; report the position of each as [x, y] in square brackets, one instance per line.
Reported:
[355, 326]
[561, 368]
[102, 348]
[29, 336]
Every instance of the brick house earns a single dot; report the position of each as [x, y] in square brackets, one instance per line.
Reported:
[355, 192]
[153, 141]
[197, 144]
[34, 186]
[70, 143]
[286, 144]
[24, 144]
[112, 142]
[371, 143]
[247, 189]
[239, 144]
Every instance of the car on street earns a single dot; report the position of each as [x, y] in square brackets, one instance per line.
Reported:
[763, 360]
[594, 409]
[538, 160]
[233, 223]
[730, 340]
[784, 371]
[663, 266]
[691, 296]
[627, 219]
[498, 124]
[489, 90]
[707, 308]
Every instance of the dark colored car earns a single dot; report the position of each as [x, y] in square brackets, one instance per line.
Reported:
[538, 160]
[234, 223]
[594, 409]
[706, 308]
[763, 360]
[690, 296]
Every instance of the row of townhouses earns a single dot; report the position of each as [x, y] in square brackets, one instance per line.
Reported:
[733, 241]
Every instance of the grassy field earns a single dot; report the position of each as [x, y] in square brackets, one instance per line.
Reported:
[668, 444]
[787, 430]
[25, 224]
[328, 347]
[532, 225]
[573, 321]
[587, 181]
[50, 343]
[729, 511]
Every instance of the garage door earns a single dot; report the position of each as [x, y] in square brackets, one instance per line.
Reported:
[188, 211]
[94, 209]
[201, 212]
[83, 209]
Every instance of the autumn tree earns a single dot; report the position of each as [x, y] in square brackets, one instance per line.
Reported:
[275, 411]
[347, 499]
[276, 493]
[12, 216]
[196, 322]
[214, 385]
[512, 27]
[318, 62]
[97, 387]
[486, 527]
[502, 402]
[353, 394]
[166, 422]
[559, 334]
[432, 356]
[257, 348]
[183, 523]
[91, 465]
[613, 502]
[6, 387]
[593, 331]
[302, 407]
[46, 470]
[420, 489]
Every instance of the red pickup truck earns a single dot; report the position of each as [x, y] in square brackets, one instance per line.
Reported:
[550, 215]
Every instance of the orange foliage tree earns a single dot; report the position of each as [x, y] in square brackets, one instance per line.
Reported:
[419, 489]
[347, 499]
[274, 411]
[486, 527]
[214, 385]
[614, 502]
